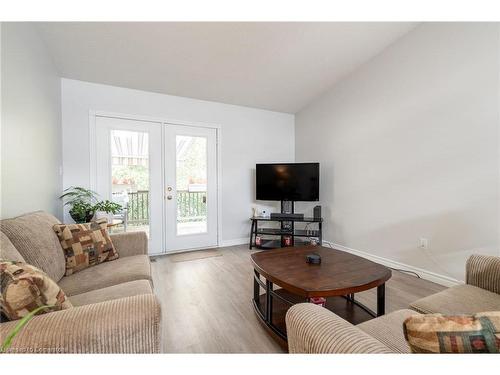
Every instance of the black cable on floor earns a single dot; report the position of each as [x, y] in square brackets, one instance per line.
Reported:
[395, 269]
[406, 271]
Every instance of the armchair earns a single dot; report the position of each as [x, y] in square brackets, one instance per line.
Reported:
[480, 293]
[483, 272]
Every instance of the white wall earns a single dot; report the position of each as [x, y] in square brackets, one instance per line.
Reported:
[248, 136]
[31, 124]
[408, 146]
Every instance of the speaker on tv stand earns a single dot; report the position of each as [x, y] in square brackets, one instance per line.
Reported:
[317, 212]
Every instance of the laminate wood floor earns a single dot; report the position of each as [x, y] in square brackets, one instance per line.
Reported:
[207, 308]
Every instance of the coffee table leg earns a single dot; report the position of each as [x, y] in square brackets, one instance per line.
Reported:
[269, 301]
[256, 290]
[381, 300]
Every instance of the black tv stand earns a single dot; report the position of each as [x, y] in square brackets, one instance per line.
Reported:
[286, 232]
[287, 216]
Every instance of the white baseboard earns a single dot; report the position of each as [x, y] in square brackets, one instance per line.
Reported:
[427, 275]
[234, 242]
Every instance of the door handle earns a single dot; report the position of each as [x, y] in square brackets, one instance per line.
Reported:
[204, 199]
[169, 195]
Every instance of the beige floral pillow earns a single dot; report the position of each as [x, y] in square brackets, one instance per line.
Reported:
[25, 288]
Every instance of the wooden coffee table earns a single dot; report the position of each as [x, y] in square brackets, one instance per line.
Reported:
[339, 276]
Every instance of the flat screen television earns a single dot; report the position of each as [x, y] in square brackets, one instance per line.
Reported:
[287, 182]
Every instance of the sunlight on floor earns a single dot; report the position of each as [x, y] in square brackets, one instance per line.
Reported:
[192, 227]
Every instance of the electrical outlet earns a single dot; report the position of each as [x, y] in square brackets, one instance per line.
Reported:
[424, 243]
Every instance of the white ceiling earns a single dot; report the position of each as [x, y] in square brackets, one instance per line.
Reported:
[276, 66]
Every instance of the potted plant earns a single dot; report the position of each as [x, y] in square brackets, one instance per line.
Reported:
[81, 202]
[84, 204]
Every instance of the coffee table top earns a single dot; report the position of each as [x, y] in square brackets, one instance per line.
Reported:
[340, 273]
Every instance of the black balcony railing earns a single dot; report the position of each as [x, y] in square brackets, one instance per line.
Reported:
[138, 207]
[191, 206]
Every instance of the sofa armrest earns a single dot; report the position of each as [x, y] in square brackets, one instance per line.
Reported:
[483, 271]
[130, 243]
[314, 329]
[126, 325]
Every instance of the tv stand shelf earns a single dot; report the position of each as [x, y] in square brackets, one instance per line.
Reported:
[300, 220]
[296, 232]
[285, 231]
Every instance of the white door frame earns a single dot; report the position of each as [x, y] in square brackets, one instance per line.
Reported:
[164, 121]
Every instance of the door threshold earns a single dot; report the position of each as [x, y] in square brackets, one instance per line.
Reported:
[191, 249]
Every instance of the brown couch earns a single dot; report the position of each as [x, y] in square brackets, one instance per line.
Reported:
[115, 310]
[313, 329]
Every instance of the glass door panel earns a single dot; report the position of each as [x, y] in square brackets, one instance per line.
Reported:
[191, 184]
[130, 179]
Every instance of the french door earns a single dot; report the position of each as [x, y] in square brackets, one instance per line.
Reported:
[164, 176]
[191, 187]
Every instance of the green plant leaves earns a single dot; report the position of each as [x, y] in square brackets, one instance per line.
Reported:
[78, 194]
[108, 206]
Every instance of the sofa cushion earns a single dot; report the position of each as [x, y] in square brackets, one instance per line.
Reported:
[85, 245]
[33, 236]
[130, 243]
[26, 288]
[436, 333]
[388, 329]
[106, 274]
[129, 289]
[460, 299]
[8, 251]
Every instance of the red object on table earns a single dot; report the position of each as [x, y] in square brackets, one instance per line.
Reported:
[320, 301]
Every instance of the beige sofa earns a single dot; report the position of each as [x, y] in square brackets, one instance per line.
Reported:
[115, 310]
[313, 329]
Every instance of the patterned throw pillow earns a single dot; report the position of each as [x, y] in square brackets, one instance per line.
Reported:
[436, 333]
[85, 245]
[25, 288]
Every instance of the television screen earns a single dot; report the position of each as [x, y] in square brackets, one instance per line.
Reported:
[291, 182]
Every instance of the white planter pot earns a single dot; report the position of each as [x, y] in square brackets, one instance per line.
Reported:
[101, 214]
